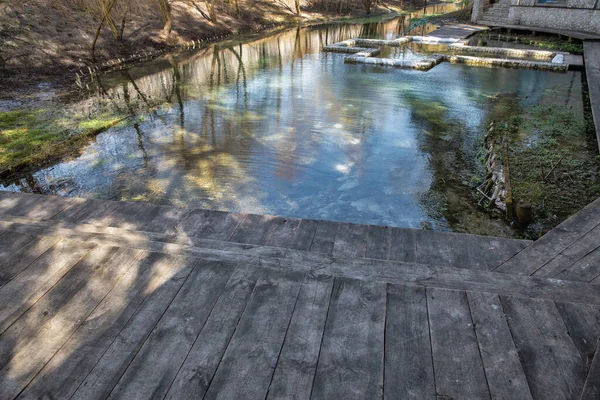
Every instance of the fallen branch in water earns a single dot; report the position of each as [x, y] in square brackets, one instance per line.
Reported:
[553, 168]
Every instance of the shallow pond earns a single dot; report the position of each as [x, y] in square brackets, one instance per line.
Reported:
[275, 126]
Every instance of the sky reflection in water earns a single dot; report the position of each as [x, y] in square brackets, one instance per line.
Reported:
[275, 126]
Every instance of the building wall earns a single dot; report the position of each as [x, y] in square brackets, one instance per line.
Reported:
[585, 20]
[577, 15]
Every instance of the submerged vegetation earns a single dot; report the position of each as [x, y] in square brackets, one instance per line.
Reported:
[554, 169]
[29, 138]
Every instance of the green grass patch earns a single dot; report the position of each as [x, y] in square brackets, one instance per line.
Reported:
[31, 137]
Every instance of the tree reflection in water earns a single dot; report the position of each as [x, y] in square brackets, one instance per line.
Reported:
[273, 125]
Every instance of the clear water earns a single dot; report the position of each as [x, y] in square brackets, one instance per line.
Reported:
[275, 126]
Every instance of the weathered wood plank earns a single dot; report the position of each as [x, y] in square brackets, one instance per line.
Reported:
[443, 277]
[105, 374]
[297, 364]
[282, 232]
[571, 255]
[248, 363]
[583, 324]
[585, 270]
[33, 205]
[208, 224]
[197, 372]
[66, 309]
[165, 220]
[457, 361]
[50, 306]
[503, 370]
[78, 208]
[253, 229]
[14, 263]
[352, 354]
[474, 252]
[554, 242]
[551, 361]
[10, 243]
[350, 241]
[149, 241]
[31, 284]
[408, 362]
[64, 373]
[156, 364]
[378, 242]
[304, 235]
[403, 245]
[324, 237]
[124, 215]
[591, 388]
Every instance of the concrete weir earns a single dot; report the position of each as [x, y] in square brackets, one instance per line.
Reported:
[362, 51]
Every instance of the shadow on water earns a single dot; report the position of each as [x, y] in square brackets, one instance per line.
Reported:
[275, 126]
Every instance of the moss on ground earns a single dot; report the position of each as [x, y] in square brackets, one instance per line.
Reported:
[553, 162]
[31, 137]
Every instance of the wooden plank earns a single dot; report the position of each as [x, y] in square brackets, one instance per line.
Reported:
[403, 245]
[585, 270]
[442, 277]
[78, 208]
[26, 288]
[105, 374]
[197, 371]
[33, 205]
[208, 224]
[571, 255]
[124, 215]
[282, 232]
[434, 248]
[550, 359]
[156, 364]
[248, 363]
[66, 371]
[324, 237]
[166, 220]
[12, 264]
[352, 354]
[350, 241]
[503, 370]
[297, 364]
[253, 229]
[408, 362]
[304, 235]
[155, 242]
[51, 304]
[457, 361]
[591, 389]
[65, 315]
[378, 242]
[554, 242]
[583, 324]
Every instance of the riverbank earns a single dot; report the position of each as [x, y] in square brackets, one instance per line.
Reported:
[46, 45]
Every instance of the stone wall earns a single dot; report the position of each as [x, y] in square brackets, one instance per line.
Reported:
[479, 7]
[576, 15]
[584, 20]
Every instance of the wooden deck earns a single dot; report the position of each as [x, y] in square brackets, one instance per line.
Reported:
[124, 300]
[456, 31]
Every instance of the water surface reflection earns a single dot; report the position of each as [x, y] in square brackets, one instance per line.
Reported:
[276, 126]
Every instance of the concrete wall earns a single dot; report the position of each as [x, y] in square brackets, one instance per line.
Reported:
[576, 15]
[479, 7]
[584, 20]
